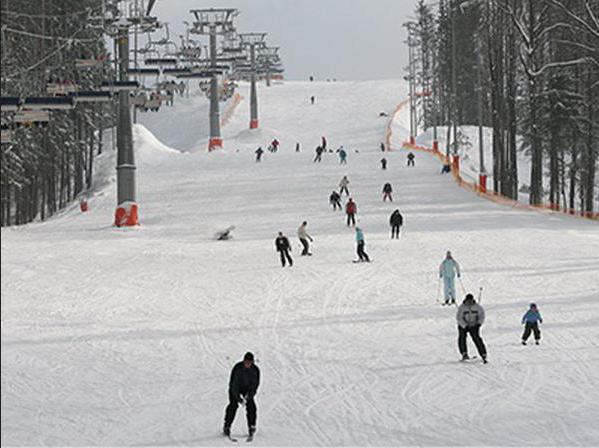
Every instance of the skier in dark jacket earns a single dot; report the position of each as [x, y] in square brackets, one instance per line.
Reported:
[396, 221]
[283, 247]
[384, 163]
[387, 190]
[335, 200]
[470, 317]
[411, 158]
[259, 153]
[531, 320]
[319, 152]
[243, 385]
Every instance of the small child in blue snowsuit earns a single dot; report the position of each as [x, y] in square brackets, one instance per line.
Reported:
[531, 319]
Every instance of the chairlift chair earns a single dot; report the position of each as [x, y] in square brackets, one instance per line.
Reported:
[10, 103]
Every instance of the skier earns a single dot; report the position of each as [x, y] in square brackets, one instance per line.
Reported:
[387, 190]
[531, 319]
[396, 221]
[243, 385]
[319, 152]
[351, 209]
[382, 146]
[447, 271]
[324, 144]
[384, 163]
[343, 183]
[283, 247]
[335, 200]
[297, 147]
[312, 99]
[342, 156]
[411, 158]
[275, 145]
[470, 317]
[446, 168]
[259, 153]
[360, 248]
[304, 237]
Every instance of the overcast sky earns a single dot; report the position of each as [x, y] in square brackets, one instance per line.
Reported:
[343, 39]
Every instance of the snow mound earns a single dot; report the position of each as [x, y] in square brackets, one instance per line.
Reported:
[148, 148]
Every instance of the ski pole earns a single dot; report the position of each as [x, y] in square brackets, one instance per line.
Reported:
[438, 290]
[480, 294]
[462, 285]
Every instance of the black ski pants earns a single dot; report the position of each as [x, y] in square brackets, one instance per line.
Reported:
[305, 245]
[250, 409]
[318, 158]
[336, 204]
[285, 256]
[531, 327]
[395, 231]
[474, 334]
[342, 190]
[410, 162]
[363, 255]
[351, 219]
[387, 196]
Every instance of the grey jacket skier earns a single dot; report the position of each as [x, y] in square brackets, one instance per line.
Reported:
[470, 316]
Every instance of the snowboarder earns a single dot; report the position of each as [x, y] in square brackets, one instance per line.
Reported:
[351, 209]
[335, 200]
[319, 152]
[283, 247]
[303, 236]
[396, 221]
[259, 153]
[447, 271]
[343, 183]
[387, 190]
[411, 158]
[384, 163]
[324, 144]
[363, 256]
[470, 317]
[531, 319]
[342, 156]
[243, 385]
[312, 99]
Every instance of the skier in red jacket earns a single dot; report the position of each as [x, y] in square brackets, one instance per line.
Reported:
[351, 209]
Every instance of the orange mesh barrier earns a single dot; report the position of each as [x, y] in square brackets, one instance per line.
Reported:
[228, 113]
[389, 131]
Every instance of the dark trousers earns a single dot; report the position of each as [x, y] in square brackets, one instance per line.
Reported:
[318, 158]
[395, 231]
[306, 246]
[534, 328]
[336, 204]
[344, 189]
[387, 195]
[351, 219]
[250, 409]
[474, 334]
[410, 162]
[363, 255]
[285, 256]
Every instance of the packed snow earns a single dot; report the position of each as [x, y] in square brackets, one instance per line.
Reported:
[127, 336]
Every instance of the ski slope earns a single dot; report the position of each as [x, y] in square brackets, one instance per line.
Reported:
[126, 337]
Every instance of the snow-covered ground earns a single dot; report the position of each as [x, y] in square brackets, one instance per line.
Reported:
[127, 336]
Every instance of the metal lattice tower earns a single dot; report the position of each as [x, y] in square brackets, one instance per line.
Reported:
[253, 41]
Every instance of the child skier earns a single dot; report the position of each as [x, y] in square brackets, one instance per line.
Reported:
[531, 319]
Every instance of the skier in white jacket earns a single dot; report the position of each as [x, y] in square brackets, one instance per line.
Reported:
[470, 316]
[303, 236]
[447, 271]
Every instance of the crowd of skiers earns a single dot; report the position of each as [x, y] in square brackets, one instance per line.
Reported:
[470, 314]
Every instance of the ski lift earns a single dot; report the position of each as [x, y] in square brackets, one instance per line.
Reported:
[61, 88]
[198, 75]
[161, 61]
[49, 103]
[90, 96]
[176, 71]
[10, 103]
[143, 71]
[7, 136]
[118, 86]
[31, 117]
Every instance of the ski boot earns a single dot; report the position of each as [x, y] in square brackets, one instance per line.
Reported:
[485, 360]
[536, 342]
[227, 431]
[252, 431]
[523, 342]
[453, 301]
[465, 357]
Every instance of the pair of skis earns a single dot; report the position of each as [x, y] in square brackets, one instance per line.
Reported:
[248, 439]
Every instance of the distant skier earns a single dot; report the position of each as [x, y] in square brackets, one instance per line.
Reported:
[411, 158]
[387, 190]
[363, 256]
[259, 153]
[343, 183]
[319, 152]
[324, 144]
[283, 247]
[303, 236]
[243, 385]
[447, 271]
[384, 163]
[396, 221]
[470, 317]
[312, 99]
[531, 319]
[297, 147]
[382, 146]
[351, 209]
[274, 145]
[342, 155]
[446, 168]
[335, 200]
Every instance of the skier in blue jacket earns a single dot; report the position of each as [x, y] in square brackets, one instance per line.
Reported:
[360, 240]
[447, 271]
[531, 320]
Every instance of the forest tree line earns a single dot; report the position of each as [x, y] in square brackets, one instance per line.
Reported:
[537, 65]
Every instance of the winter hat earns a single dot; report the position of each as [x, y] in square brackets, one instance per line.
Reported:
[249, 356]
[469, 298]
[533, 305]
